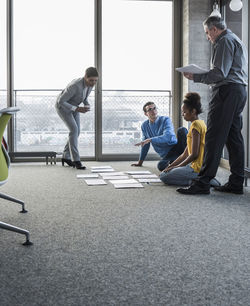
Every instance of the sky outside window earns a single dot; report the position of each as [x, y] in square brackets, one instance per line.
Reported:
[3, 55]
[137, 44]
[53, 42]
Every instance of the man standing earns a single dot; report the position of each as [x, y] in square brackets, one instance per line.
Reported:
[159, 131]
[67, 107]
[228, 80]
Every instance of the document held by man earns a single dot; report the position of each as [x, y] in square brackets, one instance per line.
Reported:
[192, 68]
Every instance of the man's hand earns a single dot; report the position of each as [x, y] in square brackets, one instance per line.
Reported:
[189, 76]
[142, 143]
[81, 109]
[139, 164]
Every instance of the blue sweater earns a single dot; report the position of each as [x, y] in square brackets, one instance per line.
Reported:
[162, 136]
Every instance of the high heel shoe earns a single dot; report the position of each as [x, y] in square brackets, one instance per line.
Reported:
[67, 161]
[78, 165]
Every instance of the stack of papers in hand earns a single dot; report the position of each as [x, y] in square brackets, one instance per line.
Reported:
[192, 68]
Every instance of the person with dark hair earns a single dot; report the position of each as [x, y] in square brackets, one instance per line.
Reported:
[159, 131]
[228, 79]
[186, 167]
[67, 107]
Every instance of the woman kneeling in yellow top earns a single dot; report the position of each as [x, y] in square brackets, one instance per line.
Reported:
[186, 167]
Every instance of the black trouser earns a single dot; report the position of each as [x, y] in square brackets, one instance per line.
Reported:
[224, 124]
[176, 150]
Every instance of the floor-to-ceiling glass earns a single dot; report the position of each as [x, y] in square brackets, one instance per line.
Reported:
[53, 44]
[3, 55]
[136, 68]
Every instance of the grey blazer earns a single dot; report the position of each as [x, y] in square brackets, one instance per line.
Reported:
[72, 95]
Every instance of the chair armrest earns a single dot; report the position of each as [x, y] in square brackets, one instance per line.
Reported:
[9, 110]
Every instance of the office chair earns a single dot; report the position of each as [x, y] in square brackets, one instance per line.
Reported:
[5, 115]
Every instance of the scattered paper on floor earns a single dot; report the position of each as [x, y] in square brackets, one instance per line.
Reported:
[93, 182]
[150, 180]
[129, 181]
[141, 176]
[90, 175]
[127, 186]
[138, 172]
[114, 177]
[102, 170]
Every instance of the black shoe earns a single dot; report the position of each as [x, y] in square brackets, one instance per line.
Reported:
[229, 188]
[195, 189]
[78, 165]
[67, 161]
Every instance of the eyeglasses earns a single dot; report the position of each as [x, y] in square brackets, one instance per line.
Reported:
[151, 109]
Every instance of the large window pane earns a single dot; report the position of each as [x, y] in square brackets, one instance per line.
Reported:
[3, 56]
[137, 65]
[53, 44]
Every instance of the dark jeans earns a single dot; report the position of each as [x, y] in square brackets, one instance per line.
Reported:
[224, 126]
[176, 150]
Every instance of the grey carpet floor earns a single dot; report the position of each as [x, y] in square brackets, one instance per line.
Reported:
[95, 245]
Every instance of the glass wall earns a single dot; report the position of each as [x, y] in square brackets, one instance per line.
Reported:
[3, 55]
[136, 68]
[53, 44]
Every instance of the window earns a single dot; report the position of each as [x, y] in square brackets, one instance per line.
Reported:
[137, 66]
[3, 55]
[54, 44]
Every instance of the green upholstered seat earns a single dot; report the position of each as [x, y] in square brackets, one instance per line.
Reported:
[5, 115]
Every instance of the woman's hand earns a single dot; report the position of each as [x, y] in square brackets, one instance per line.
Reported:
[82, 109]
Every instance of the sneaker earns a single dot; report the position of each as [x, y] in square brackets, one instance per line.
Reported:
[229, 188]
[195, 189]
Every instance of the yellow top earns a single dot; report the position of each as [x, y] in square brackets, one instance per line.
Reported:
[201, 128]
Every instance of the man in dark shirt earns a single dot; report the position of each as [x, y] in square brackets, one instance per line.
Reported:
[228, 80]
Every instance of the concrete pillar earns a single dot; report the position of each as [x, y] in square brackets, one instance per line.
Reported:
[196, 49]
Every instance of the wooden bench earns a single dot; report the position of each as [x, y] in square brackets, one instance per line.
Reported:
[47, 154]
[247, 175]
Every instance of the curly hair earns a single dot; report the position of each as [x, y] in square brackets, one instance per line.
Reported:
[192, 100]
